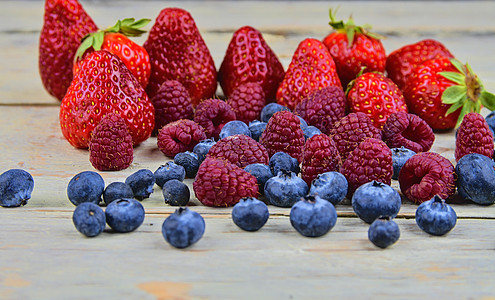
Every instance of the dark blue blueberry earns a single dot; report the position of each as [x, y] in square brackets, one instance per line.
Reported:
[383, 232]
[115, 191]
[262, 173]
[89, 219]
[399, 158]
[330, 186]
[141, 183]
[16, 186]
[233, 128]
[183, 228]
[303, 124]
[310, 131]
[87, 186]
[256, 127]
[282, 160]
[176, 193]
[169, 171]
[190, 161]
[124, 215]
[490, 119]
[374, 199]
[312, 216]
[285, 189]
[476, 178]
[250, 214]
[435, 216]
[202, 148]
[269, 109]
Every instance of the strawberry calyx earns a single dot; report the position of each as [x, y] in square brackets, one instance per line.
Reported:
[468, 93]
[351, 29]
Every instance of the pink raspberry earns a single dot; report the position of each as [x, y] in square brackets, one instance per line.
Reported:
[179, 136]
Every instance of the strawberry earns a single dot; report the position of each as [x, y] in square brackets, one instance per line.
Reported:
[103, 85]
[115, 39]
[250, 59]
[178, 52]
[354, 47]
[312, 68]
[377, 96]
[441, 91]
[65, 23]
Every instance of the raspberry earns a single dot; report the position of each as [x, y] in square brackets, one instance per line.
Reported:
[247, 101]
[212, 114]
[179, 136]
[409, 131]
[220, 183]
[110, 147]
[425, 175]
[172, 102]
[320, 155]
[283, 133]
[351, 130]
[371, 160]
[239, 150]
[323, 108]
[474, 136]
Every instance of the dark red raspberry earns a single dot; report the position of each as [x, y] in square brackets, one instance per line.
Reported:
[351, 130]
[425, 175]
[283, 133]
[320, 155]
[247, 101]
[179, 136]
[213, 114]
[322, 108]
[474, 136]
[408, 130]
[110, 147]
[371, 160]
[239, 150]
[220, 183]
[172, 102]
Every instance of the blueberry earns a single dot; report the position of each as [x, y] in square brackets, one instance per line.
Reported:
[331, 186]
[89, 219]
[176, 193]
[117, 190]
[262, 173]
[183, 228]
[435, 216]
[476, 178]
[87, 186]
[383, 232]
[141, 183]
[490, 119]
[310, 131]
[190, 161]
[399, 158]
[303, 123]
[285, 189]
[250, 214]
[282, 160]
[256, 127]
[269, 109]
[202, 148]
[16, 186]
[374, 199]
[169, 171]
[312, 216]
[233, 128]
[124, 215]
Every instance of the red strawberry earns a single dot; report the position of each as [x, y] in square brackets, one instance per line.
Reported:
[441, 91]
[247, 101]
[354, 47]
[402, 61]
[239, 150]
[312, 68]
[250, 59]
[65, 23]
[377, 96]
[177, 51]
[115, 39]
[104, 85]
[320, 155]
[473, 136]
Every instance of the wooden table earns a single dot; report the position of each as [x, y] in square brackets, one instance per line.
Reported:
[44, 257]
